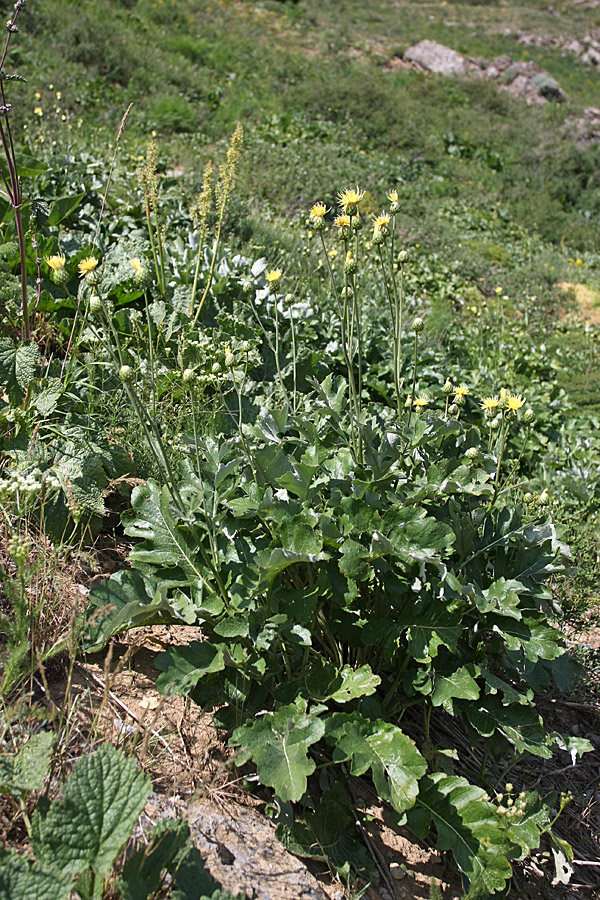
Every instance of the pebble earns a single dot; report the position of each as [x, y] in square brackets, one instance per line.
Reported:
[396, 871]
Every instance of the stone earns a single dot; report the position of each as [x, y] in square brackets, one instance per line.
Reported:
[437, 58]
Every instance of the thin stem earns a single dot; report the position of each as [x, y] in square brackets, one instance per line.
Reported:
[414, 380]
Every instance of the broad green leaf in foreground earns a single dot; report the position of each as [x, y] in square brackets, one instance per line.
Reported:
[27, 770]
[90, 825]
[466, 824]
[23, 879]
[278, 743]
[395, 762]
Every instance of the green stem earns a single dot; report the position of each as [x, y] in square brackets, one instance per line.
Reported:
[414, 380]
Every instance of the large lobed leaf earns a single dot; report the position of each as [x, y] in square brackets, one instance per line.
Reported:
[278, 743]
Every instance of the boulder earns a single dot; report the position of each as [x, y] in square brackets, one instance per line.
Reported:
[434, 57]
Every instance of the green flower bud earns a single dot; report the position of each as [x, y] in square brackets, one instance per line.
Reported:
[189, 376]
[528, 416]
[125, 374]
[418, 325]
[472, 454]
[448, 387]
[452, 409]
[347, 293]
[402, 256]
[528, 497]
[95, 305]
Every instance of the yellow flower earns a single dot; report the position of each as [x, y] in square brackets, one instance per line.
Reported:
[421, 402]
[273, 276]
[318, 211]
[350, 199]
[489, 404]
[514, 402]
[38, 111]
[87, 266]
[381, 221]
[137, 266]
[461, 391]
[392, 196]
[58, 95]
[56, 263]
[342, 221]
[37, 95]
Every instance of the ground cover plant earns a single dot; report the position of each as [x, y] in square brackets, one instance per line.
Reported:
[343, 432]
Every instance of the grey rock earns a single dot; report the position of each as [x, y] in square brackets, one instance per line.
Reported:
[437, 58]
[239, 848]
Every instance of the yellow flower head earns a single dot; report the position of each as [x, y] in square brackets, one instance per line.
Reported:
[87, 266]
[350, 199]
[38, 111]
[342, 221]
[318, 211]
[514, 402]
[392, 196]
[461, 391]
[381, 221]
[137, 266]
[273, 276]
[421, 402]
[489, 404]
[56, 263]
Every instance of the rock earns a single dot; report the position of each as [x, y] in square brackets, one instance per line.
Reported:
[240, 849]
[591, 57]
[437, 58]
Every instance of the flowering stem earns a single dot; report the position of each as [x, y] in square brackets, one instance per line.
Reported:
[294, 363]
[414, 380]
[281, 382]
[213, 262]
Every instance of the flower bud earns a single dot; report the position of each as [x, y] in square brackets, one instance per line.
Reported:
[472, 454]
[378, 237]
[189, 376]
[125, 374]
[350, 266]
[418, 325]
[347, 293]
[95, 305]
[528, 497]
[528, 416]
[452, 409]
[402, 256]
[448, 387]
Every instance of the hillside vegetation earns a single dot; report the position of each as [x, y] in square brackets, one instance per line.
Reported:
[299, 410]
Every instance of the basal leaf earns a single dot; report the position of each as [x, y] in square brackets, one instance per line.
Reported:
[460, 684]
[278, 743]
[101, 801]
[520, 724]
[395, 762]
[328, 834]
[125, 600]
[183, 667]
[466, 824]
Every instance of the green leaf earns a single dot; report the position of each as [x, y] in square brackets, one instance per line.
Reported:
[466, 824]
[168, 546]
[63, 207]
[395, 762]
[142, 873]
[324, 681]
[18, 367]
[521, 725]
[459, 684]
[184, 666]
[328, 834]
[125, 600]
[24, 879]
[101, 801]
[28, 769]
[278, 743]
[27, 166]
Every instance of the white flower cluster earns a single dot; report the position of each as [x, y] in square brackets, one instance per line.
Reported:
[27, 483]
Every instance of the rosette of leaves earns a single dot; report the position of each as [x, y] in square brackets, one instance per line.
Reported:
[338, 600]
